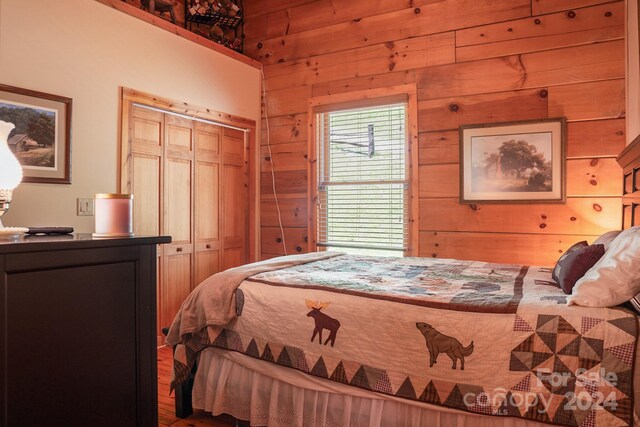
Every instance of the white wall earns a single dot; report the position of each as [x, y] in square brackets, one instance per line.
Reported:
[85, 50]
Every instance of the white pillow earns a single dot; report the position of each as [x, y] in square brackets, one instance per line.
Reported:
[615, 278]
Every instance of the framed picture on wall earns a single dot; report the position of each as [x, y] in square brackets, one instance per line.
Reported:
[41, 139]
[513, 162]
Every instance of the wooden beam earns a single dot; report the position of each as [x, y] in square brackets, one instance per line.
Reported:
[179, 31]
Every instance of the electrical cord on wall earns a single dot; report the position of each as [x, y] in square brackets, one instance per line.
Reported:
[273, 174]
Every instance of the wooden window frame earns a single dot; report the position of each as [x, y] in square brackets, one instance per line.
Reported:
[358, 99]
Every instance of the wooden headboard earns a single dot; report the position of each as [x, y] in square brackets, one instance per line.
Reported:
[629, 159]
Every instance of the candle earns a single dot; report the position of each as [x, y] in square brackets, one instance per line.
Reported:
[114, 215]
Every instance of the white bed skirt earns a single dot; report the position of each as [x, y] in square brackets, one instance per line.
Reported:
[275, 396]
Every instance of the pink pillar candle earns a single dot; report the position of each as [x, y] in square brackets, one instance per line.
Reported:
[114, 215]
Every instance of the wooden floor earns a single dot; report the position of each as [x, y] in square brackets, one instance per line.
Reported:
[166, 412]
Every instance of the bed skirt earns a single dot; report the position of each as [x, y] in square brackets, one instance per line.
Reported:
[270, 395]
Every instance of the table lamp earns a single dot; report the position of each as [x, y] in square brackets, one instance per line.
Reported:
[10, 171]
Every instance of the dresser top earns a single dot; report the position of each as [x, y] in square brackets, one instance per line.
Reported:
[30, 243]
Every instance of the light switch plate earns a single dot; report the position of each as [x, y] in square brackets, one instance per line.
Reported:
[85, 207]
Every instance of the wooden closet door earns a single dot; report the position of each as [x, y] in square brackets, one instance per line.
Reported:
[142, 168]
[145, 163]
[235, 202]
[207, 200]
[178, 217]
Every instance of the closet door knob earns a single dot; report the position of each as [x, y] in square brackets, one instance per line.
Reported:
[208, 246]
[178, 249]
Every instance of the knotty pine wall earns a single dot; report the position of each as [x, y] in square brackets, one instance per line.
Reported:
[474, 61]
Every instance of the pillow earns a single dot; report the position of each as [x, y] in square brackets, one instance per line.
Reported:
[607, 238]
[574, 247]
[576, 264]
[615, 278]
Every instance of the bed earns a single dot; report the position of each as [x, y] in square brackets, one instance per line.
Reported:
[330, 339]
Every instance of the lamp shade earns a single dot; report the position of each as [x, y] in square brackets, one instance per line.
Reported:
[10, 169]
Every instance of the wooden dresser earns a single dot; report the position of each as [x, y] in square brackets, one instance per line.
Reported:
[77, 327]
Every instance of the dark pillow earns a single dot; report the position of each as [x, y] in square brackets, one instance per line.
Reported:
[574, 247]
[576, 264]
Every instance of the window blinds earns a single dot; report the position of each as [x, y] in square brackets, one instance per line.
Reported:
[362, 179]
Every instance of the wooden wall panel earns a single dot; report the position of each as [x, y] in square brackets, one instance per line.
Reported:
[333, 87]
[315, 14]
[402, 24]
[284, 157]
[547, 6]
[524, 249]
[292, 210]
[416, 53]
[285, 129]
[593, 24]
[438, 147]
[450, 113]
[593, 177]
[473, 63]
[576, 64]
[595, 214]
[272, 243]
[588, 101]
[596, 138]
[287, 182]
[287, 101]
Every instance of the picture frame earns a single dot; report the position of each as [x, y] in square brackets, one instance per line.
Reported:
[514, 162]
[42, 138]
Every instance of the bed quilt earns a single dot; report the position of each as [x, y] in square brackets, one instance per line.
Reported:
[487, 338]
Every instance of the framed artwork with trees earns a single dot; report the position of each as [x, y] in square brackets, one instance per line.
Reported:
[513, 162]
[41, 139]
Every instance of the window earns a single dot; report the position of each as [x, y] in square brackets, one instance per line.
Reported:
[363, 186]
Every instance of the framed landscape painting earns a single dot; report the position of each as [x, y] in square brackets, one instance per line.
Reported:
[513, 162]
[41, 139]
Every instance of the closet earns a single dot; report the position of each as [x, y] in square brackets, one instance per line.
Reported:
[190, 180]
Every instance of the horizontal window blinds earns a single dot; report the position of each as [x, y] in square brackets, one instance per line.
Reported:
[362, 179]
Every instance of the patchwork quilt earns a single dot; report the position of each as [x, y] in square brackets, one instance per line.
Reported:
[486, 338]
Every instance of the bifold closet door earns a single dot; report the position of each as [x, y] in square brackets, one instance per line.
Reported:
[144, 171]
[207, 200]
[235, 200]
[176, 281]
[189, 180]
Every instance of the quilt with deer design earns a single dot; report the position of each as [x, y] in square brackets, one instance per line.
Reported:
[478, 337]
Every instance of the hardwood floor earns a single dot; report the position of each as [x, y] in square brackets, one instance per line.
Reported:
[166, 412]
